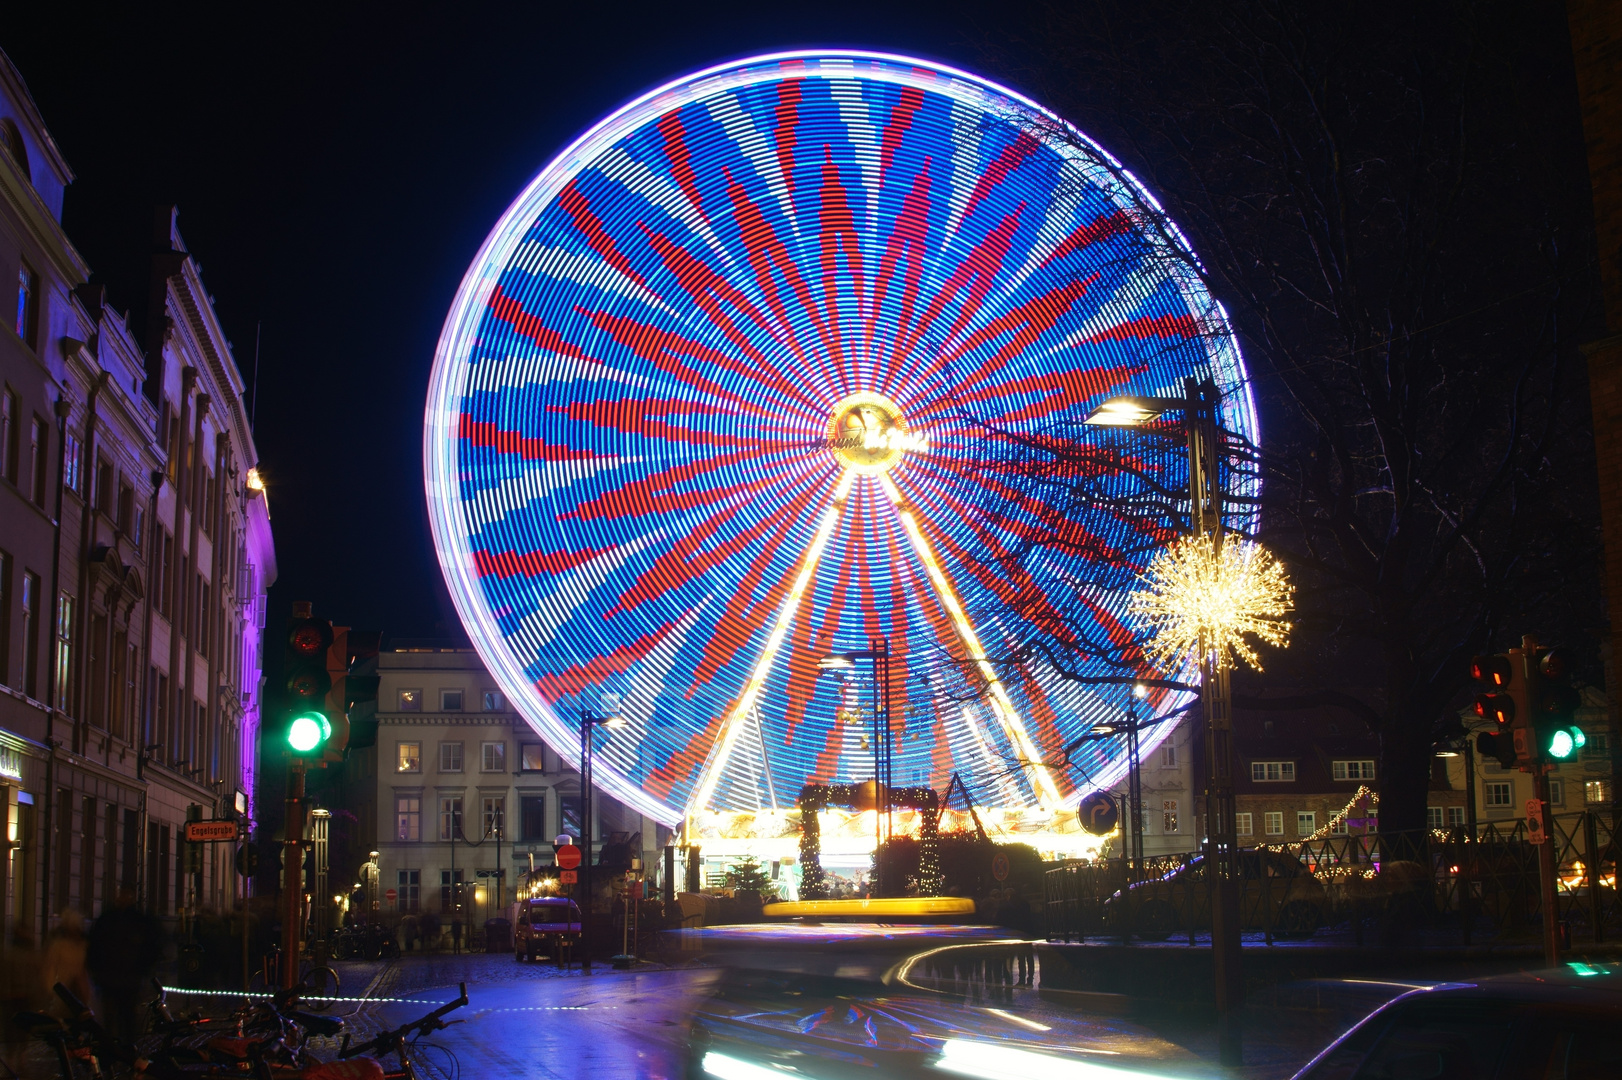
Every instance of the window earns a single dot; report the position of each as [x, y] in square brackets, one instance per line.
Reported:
[532, 757]
[408, 818]
[450, 757]
[409, 758]
[493, 701]
[71, 453]
[1242, 824]
[409, 890]
[1168, 815]
[1338, 827]
[450, 701]
[30, 597]
[1272, 771]
[64, 653]
[411, 701]
[38, 443]
[450, 890]
[493, 757]
[569, 814]
[1168, 756]
[8, 435]
[1455, 815]
[207, 521]
[1354, 770]
[494, 813]
[450, 816]
[1557, 792]
[1434, 817]
[26, 322]
[101, 488]
[532, 817]
[1597, 791]
[1275, 822]
[1306, 822]
[126, 512]
[5, 619]
[1501, 793]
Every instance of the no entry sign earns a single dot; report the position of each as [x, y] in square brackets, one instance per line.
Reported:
[568, 857]
[391, 896]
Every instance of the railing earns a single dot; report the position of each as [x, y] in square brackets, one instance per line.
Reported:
[1443, 885]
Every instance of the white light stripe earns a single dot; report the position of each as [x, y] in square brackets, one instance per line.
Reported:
[1001, 703]
[737, 719]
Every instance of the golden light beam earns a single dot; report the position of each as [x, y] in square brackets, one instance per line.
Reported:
[1001, 704]
[737, 719]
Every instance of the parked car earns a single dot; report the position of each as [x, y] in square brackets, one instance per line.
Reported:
[1564, 1024]
[1276, 892]
[544, 924]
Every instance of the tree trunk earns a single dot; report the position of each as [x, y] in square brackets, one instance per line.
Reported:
[1403, 774]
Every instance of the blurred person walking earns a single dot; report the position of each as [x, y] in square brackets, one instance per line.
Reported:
[124, 947]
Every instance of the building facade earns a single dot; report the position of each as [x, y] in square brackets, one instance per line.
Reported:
[135, 549]
[465, 789]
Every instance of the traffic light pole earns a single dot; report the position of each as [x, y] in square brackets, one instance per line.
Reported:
[1216, 697]
[1547, 871]
[293, 874]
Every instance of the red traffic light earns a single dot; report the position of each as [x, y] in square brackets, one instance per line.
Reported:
[1554, 664]
[309, 639]
[1492, 670]
[1499, 708]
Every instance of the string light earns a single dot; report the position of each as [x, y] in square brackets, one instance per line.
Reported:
[1204, 602]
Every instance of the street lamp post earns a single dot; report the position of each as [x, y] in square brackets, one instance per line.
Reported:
[1198, 406]
[588, 721]
[1132, 832]
[878, 652]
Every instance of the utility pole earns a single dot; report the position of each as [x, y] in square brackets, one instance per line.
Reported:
[293, 873]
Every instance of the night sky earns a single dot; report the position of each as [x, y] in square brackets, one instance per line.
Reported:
[335, 173]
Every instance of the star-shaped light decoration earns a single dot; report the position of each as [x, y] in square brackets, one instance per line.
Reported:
[1199, 602]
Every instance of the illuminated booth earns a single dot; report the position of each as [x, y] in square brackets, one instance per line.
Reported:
[712, 403]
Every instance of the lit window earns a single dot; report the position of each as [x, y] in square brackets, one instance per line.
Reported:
[1338, 827]
[27, 320]
[1455, 815]
[1500, 793]
[1434, 817]
[1275, 822]
[450, 757]
[71, 454]
[411, 701]
[1168, 816]
[450, 701]
[1242, 824]
[408, 818]
[532, 757]
[410, 757]
[493, 757]
[1597, 791]
[1306, 822]
[493, 701]
[1272, 771]
[1354, 770]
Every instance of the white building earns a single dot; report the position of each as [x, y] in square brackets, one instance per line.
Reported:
[465, 787]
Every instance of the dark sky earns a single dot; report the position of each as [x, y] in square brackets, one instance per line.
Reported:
[336, 169]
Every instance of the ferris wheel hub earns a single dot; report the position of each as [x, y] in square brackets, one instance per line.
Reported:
[868, 434]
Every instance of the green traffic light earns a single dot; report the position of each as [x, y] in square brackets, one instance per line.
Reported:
[308, 731]
[1566, 741]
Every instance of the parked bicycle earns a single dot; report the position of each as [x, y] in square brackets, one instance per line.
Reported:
[418, 1060]
[319, 982]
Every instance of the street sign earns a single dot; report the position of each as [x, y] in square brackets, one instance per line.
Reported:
[391, 895]
[1098, 813]
[568, 857]
[568, 877]
[999, 866]
[1535, 831]
[208, 832]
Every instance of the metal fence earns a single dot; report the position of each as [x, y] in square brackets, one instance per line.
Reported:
[1447, 885]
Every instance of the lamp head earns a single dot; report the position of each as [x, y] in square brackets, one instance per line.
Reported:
[1124, 412]
[836, 662]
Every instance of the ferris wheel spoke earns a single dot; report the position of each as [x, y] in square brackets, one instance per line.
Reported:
[738, 716]
[1001, 704]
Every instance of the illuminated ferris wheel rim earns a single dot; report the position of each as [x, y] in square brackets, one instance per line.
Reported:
[458, 340]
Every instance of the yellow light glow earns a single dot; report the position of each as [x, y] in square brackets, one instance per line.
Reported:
[1200, 603]
[255, 483]
[737, 719]
[890, 908]
[1001, 704]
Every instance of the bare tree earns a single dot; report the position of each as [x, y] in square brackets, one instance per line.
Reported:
[1389, 202]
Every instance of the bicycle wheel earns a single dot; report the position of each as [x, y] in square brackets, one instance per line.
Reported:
[430, 1061]
[320, 986]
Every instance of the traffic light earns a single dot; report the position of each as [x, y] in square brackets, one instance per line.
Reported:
[1505, 703]
[1557, 736]
[309, 724]
[360, 687]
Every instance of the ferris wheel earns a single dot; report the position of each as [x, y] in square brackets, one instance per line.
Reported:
[711, 404]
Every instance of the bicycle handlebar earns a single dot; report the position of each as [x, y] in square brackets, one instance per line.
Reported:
[389, 1039]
